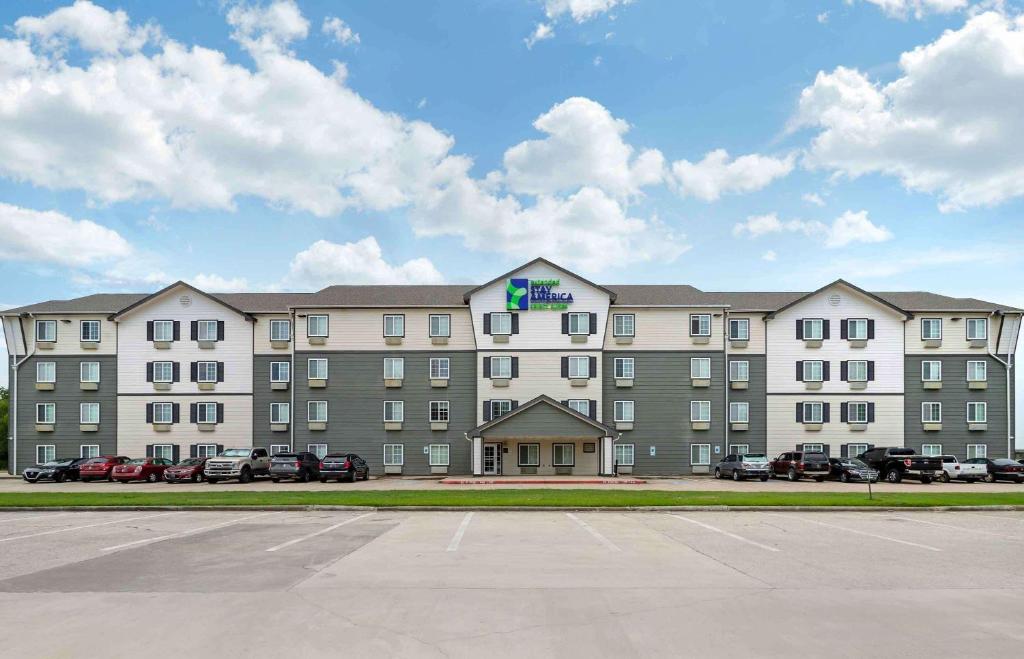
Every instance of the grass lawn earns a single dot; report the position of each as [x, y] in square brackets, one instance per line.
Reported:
[499, 498]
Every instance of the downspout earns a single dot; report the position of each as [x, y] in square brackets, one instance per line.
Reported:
[1008, 369]
[291, 389]
[13, 415]
[725, 378]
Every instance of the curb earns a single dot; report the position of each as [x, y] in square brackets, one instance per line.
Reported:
[537, 509]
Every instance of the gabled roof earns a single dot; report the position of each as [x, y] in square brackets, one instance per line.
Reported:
[468, 294]
[100, 303]
[842, 282]
[429, 295]
[176, 284]
[543, 400]
[665, 295]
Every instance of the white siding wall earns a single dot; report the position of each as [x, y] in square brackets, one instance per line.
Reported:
[667, 329]
[784, 433]
[539, 373]
[68, 334]
[363, 329]
[954, 334]
[756, 344]
[261, 335]
[133, 433]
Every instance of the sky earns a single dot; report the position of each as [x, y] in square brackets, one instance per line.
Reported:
[290, 145]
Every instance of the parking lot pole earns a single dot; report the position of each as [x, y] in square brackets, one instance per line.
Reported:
[870, 496]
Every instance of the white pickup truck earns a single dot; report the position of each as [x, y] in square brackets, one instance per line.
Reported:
[953, 469]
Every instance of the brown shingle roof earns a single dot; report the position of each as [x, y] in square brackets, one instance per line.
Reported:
[389, 296]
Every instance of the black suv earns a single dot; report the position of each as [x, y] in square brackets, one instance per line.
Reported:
[304, 467]
[343, 466]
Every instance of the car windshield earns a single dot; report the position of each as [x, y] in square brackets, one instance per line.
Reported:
[1005, 462]
[97, 461]
[137, 461]
[812, 455]
[236, 453]
[754, 457]
[58, 463]
[191, 462]
[285, 457]
[854, 462]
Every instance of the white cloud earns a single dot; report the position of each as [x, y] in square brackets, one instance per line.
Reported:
[715, 175]
[362, 262]
[267, 27]
[422, 103]
[950, 125]
[540, 33]
[339, 31]
[154, 223]
[94, 29]
[597, 60]
[813, 198]
[823, 17]
[850, 227]
[853, 227]
[580, 10]
[769, 256]
[216, 284]
[903, 9]
[54, 238]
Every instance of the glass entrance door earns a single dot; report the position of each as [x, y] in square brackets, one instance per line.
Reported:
[492, 459]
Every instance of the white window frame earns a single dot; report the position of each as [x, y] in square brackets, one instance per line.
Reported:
[861, 324]
[977, 451]
[739, 371]
[700, 368]
[812, 406]
[739, 323]
[49, 413]
[274, 448]
[984, 326]
[579, 323]
[852, 452]
[625, 368]
[624, 324]
[163, 451]
[47, 336]
[931, 405]
[443, 322]
[394, 455]
[498, 407]
[203, 328]
[580, 406]
[49, 377]
[82, 333]
[394, 411]
[984, 370]
[734, 449]
[625, 454]
[439, 455]
[49, 453]
[316, 331]
[929, 322]
[809, 368]
[814, 448]
[931, 450]
[163, 330]
[206, 366]
[390, 372]
[860, 417]
[809, 327]
[575, 372]
[313, 409]
[501, 323]
[700, 455]
[159, 416]
[279, 322]
[207, 450]
[315, 364]
[702, 409]
[203, 412]
[276, 415]
[170, 372]
[82, 375]
[703, 324]
[440, 368]
[931, 361]
[739, 412]
[977, 405]
[501, 367]
[287, 368]
[532, 454]
[91, 419]
[92, 452]
[620, 409]
[560, 460]
[862, 365]
[397, 322]
[439, 411]
[319, 449]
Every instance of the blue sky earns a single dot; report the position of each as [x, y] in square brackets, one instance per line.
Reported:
[290, 145]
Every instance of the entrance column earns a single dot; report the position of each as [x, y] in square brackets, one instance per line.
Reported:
[478, 456]
[607, 457]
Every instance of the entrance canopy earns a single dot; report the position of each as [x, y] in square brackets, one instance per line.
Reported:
[542, 417]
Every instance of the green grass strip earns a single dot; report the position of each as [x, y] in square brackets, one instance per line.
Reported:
[499, 498]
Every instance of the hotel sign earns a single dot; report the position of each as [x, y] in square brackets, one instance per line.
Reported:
[535, 294]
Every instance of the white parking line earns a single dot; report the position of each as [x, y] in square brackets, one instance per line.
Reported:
[320, 532]
[592, 531]
[864, 533]
[87, 526]
[8, 520]
[955, 528]
[461, 531]
[726, 533]
[183, 533]
[989, 516]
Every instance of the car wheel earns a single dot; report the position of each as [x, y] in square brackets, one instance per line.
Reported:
[945, 478]
[86, 480]
[275, 480]
[926, 480]
[59, 478]
[352, 476]
[305, 477]
[110, 477]
[718, 472]
[245, 476]
[736, 475]
[972, 480]
[323, 480]
[991, 478]
[764, 479]
[844, 477]
[151, 478]
[1018, 480]
[792, 475]
[893, 476]
[212, 481]
[819, 479]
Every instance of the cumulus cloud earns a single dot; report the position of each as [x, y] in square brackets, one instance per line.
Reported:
[950, 124]
[813, 198]
[540, 33]
[716, 175]
[338, 30]
[93, 28]
[903, 9]
[54, 238]
[217, 284]
[769, 256]
[850, 227]
[268, 26]
[580, 10]
[324, 263]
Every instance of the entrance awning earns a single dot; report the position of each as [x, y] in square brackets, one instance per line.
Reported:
[542, 416]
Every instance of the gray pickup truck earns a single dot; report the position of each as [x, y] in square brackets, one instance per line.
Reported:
[241, 463]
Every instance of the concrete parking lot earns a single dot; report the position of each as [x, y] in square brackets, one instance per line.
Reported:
[496, 584]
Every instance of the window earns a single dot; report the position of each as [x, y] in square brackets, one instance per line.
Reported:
[501, 323]
[210, 450]
[739, 412]
[206, 371]
[394, 325]
[163, 330]
[857, 329]
[977, 412]
[813, 329]
[700, 410]
[206, 412]
[499, 407]
[439, 411]
[739, 329]
[274, 449]
[857, 412]
[581, 406]
[857, 371]
[163, 371]
[977, 329]
[624, 368]
[700, 454]
[46, 371]
[280, 371]
[316, 411]
[931, 329]
[45, 453]
[317, 369]
[813, 371]
[439, 368]
[814, 448]
[46, 331]
[931, 371]
[700, 368]
[579, 367]
[563, 455]
[46, 413]
[624, 324]
[316, 325]
[739, 449]
[163, 413]
[394, 411]
[89, 451]
[89, 331]
[394, 455]
[89, 413]
[89, 371]
[931, 412]
[931, 449]
[853, 450]
[280, 413]
[624, 411]
[439, 455]
[977, 451]
[440, 325]
[579, 323]
[280, 330]
[977, 371]
[206, 330]
[529, 455]
[163, 451]
[501, 367]
[319, 450]
[700, 324]
[394, 368]
[739, 371]
[624, 454]
[813, 412]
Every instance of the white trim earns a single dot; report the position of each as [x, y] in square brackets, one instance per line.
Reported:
[929, 321]
[447, 455]
[700, 368]
[623, 361]
[310, 405]
[201, 366]
[619, 408]
[430, 325]
[983, 406]
[398, 405]
[967, 329]
[745, 323]
[82, 407]
[700, 460]
[93, 454]
[702, 405]
[499, 373]
[579, 316]
[91, 323]
[277, 407]
[288, 371]
[808, 367]
[447, 368]
[849, 370]
[577, 373]
[52, 367]
[50, 417]
[813, 405]
[930, 404]
[859, 404]
[326, 322]
[974, 448]
[443, 410]
[276, 322]
[504, 315]
[395, 318]
[738, 405]
[931, 361]
[319, 361]
[984, 369]
[700, 317]
[741, 365]
[401, 452]
[392, 361]
[80, 367]
[632, 324]
[48, 448]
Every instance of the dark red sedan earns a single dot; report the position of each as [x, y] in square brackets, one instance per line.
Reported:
[189, 469]
[100, 468]
[150, 470]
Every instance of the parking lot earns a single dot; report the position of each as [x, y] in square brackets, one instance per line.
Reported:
[510, 583]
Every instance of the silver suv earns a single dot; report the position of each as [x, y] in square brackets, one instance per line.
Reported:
[743, 466]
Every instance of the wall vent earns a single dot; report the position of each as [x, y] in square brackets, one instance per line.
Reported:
[834, 300]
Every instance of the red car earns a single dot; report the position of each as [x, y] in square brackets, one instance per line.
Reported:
[150, 470]
[100, 468]
[189, 469]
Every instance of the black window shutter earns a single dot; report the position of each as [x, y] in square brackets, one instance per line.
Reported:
[149, 450]
[487, 323]
[487, 410]
[593, 367]
[825, 371]
[871, 370]
[220, 330]
[220, 412]
[149, 412]
[194, 329]
[193, 372]
[843, 371]
[565, 403]
[175, 413]
[800, 328]
[515, 367]
[220, 371]
[487, 367]
[220, 449]
[843, 412]
[842, 329]
[824, 328]
[799, 371]
[149, 371]
[800, 447]
[193, 412]
[193, 451]
[565, 367]
[593, 323]
[871, 328]
[149, 330]
[177, 331]
[515, 404]
[515, 323]
[871, 412]
[799, 412]
[175, 453]
[176, 372]
[565, 323]
[825, 448]
[825, 417]
[592, 408]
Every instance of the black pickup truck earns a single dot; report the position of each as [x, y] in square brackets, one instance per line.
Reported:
[895, 464]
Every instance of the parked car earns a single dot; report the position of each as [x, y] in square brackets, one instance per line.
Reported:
[953, 469]
[241, 463]
[343, 466]
[302, 466]
[64, 469]
[150, 470]
[794, 465]
[189, 469]
[895, 464]
[742, 466]
[851, 469]
[1001, 469]
[100, 468]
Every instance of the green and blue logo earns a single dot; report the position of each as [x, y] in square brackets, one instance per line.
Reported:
[517, 294]
[537, 294]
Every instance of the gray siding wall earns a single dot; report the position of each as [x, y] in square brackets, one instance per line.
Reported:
[662, 392]
[954, 397]
[262, 397]
[355, 393]
[66, 437]
[757, 397]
